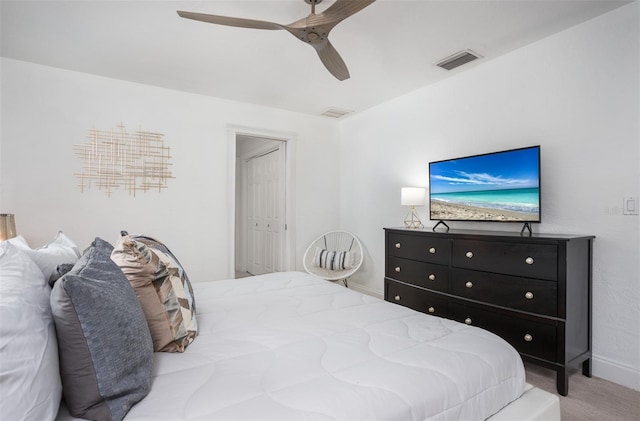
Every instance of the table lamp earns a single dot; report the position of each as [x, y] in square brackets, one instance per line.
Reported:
[412, 196]
[7, 226]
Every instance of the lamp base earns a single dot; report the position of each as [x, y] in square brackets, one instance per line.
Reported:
[412, 221]
[7, 226]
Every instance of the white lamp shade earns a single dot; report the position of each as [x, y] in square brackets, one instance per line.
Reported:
[412, 196]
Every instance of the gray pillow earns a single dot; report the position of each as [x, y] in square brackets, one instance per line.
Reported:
[106, 352]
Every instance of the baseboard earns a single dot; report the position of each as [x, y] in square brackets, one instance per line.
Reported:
[368, 291]
[616, 372]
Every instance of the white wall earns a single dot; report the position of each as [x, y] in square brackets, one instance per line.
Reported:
[45, 111]
[575, 94]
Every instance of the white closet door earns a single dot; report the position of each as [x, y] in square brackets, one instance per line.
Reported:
[264, 218]
[272, 218]
[255, 202]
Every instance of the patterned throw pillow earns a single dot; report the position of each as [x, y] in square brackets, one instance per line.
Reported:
[106, 352]
[332, 260]
[163, 289]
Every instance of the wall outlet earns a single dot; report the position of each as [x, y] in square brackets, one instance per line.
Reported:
[630, 205]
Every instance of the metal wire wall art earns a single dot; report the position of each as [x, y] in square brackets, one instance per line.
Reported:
[137, 161]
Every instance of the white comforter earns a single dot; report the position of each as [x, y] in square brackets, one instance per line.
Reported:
[288, 346]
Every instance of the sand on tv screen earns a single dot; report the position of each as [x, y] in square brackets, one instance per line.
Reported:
[498, 186]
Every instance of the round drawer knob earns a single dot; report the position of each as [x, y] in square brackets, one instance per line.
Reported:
[469, 284]
[432, 277]
[529, 260]
[528, 295]
[397, 298]
[467, 321]
[397, 269]
[398, 245]
[469, 254]
[431, 310]
[528, 337]
[432, 250]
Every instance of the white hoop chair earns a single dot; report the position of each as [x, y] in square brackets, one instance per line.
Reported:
[334, 256]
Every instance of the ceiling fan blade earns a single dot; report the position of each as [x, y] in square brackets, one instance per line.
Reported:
[342, 9]
[229, 21]
[332, 60]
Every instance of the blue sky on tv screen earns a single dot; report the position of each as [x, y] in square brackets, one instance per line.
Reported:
[517, 169]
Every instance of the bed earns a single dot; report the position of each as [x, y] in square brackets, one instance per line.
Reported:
[289, 346]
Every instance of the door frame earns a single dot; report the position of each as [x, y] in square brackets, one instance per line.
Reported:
[290, 139]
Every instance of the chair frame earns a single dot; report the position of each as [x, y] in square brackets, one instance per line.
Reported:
[334, 241]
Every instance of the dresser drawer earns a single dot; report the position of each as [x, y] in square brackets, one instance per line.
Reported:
[425, 275]
[425, 249]
[416, 298]
[532, 295]
[520, 259]
[530, 337]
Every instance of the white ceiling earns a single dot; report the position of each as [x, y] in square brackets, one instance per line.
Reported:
[390, 47]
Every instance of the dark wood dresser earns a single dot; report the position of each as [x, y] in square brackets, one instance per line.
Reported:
[533, 291]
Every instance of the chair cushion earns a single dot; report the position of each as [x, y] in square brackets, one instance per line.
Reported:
[332, 260]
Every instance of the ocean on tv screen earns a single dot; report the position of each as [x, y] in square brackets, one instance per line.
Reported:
[499, 186]
[489, 205]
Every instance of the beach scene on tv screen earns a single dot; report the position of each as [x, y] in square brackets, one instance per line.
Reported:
[502, 186]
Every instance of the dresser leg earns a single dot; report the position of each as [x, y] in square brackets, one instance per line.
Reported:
[586, 367]
[562, 381]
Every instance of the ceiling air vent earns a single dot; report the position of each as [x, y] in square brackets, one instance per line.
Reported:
[335, 112]
[458, 59]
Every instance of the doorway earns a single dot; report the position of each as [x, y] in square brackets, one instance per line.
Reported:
[261, 205]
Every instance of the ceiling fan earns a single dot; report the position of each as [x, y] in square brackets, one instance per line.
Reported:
[313, 30]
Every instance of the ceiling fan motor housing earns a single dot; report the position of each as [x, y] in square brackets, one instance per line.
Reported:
[310, 34]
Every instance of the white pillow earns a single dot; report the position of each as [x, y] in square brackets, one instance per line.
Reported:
[58, 251]
[61, 240]
[19, 242]
[30, 383]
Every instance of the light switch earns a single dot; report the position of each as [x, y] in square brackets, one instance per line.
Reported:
[630, 205]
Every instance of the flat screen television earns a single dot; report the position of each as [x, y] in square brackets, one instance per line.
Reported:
[499, 186]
